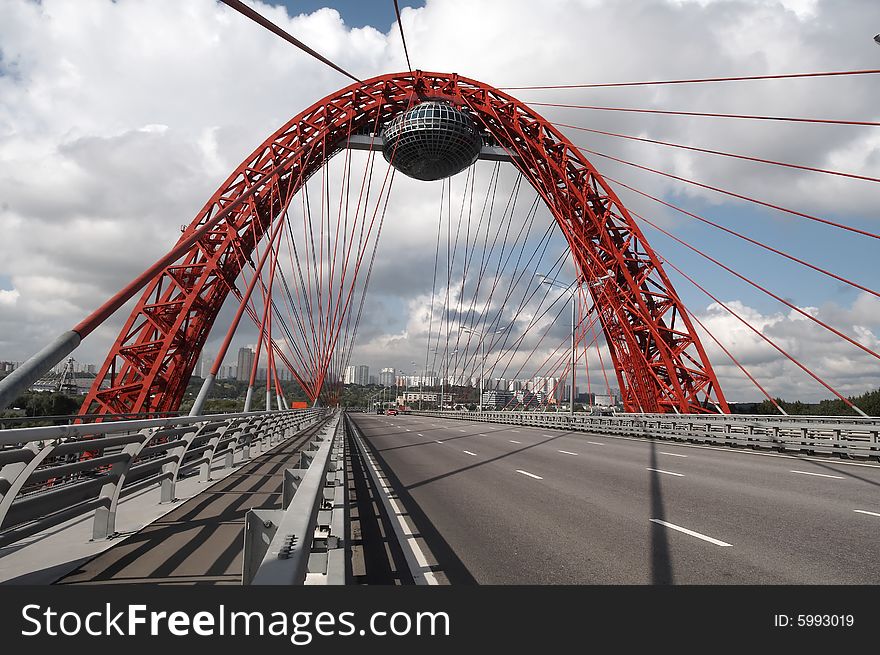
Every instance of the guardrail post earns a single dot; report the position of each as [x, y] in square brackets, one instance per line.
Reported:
[292, 478]
[104, 524]
[169, 484]
[208, 455]
[260, 526]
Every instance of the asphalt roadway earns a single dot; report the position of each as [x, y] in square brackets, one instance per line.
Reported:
[501, 504]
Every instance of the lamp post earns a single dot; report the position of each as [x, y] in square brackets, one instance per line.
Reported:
[421, 383]
[445, 369]
[482, 336]
[572, 291]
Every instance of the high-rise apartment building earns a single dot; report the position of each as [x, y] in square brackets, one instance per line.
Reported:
[387, 377]
[245, 364]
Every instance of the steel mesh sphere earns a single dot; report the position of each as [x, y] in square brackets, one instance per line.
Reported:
[431, 141]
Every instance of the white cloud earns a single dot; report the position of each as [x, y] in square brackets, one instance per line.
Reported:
[8, 297]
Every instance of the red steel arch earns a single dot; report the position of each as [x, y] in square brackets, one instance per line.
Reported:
[660, 363]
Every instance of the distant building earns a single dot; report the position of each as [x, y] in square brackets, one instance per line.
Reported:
[362, 375]
[349, 376]
[410, 397]
[497, 398]
[204, 367]
[373, 380]
[245, 364]
[387, 377]
[605, 400]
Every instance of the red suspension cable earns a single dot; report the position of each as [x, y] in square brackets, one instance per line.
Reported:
[740, 78]
[789, 119]
[722, 153]
[748, 239]
[800, 311]
[765, 338]
[793, 212]
[736, 361]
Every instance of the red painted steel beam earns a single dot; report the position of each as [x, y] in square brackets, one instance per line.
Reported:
[660, 363]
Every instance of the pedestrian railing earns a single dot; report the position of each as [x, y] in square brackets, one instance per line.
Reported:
[49, 475]
[845, 436]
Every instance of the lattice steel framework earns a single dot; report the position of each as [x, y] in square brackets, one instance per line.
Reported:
[660, 363]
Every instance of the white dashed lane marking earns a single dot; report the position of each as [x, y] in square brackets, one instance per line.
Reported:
[678, 475]
[566, 452]
[467, 452]
[531, 475]
[717, 542]
[819, 475]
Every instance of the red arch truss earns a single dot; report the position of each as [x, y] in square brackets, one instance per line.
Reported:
[661, 365]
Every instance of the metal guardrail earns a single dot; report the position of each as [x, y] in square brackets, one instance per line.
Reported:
[306, 536]
[51, 474]
[849, 436]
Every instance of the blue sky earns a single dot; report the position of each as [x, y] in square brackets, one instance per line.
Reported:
[356, 13]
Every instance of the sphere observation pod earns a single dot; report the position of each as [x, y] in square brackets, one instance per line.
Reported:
[431, 141]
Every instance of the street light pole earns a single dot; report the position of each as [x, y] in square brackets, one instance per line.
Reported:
[444, 366]
[573, 293]
[573, 354]
[482, 336]
[482, 372]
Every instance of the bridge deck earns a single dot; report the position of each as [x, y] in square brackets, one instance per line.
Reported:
[201, 541]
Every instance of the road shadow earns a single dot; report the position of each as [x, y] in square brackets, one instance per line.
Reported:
[661, 562]
[214, 525]
[447, 560]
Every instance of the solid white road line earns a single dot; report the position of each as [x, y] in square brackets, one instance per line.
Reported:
[672, 454]
[679, 475]
[420, 569]
[531, 475]
[565, 452]
[512, 441]
[819, 475]
[596, 443]
[691, 533]
[864, 511]
[467, 452]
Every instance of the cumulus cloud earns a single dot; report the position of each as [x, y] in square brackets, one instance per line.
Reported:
[120, 119]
